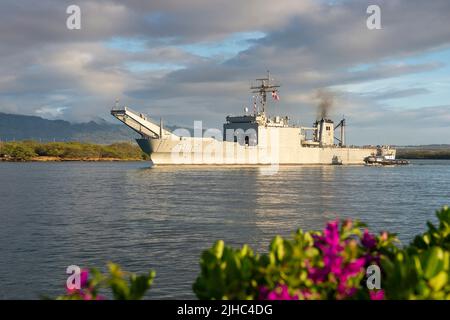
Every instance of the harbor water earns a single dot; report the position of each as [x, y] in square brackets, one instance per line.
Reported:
[53, 215]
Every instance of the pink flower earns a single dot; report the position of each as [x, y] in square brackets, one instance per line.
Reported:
[332, 233]
[281, 292]
[335, 269]
[72, 291]
[355, 266]
[305, 294]
[368, 240]
[84, 278]
[376, 295]
[87, 296]
[317, 274]
[263, 292]
[334, 264]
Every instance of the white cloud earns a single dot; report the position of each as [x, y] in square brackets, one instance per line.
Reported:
[50, 112]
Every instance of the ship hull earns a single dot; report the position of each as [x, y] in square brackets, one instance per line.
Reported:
[207, 151]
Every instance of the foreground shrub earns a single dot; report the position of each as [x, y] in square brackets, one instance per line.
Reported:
[331, 264]
[313, 265]
[422, 271]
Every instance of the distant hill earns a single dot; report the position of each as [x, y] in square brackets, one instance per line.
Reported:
[21, 127]
[431, 151]
[425, 146]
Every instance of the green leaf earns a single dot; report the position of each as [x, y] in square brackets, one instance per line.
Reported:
[438, 281]
[218, 249]
[433, 262]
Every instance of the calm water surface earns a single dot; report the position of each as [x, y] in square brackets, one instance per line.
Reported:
[56, 214]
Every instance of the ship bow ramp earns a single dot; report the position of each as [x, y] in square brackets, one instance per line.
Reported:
[140, 123]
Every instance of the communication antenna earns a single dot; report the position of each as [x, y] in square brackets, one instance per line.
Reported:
[264, 86]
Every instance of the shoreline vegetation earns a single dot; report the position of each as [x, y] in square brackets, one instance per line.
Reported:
[425, 152]
[69, 151]
[30, 150]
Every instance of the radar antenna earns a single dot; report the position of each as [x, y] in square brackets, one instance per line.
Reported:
[264, 86]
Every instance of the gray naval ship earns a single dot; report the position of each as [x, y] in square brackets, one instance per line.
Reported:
[254, 138]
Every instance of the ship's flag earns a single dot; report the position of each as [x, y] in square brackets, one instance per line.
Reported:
[275, 95]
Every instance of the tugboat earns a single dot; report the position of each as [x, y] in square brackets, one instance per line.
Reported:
[384, 158]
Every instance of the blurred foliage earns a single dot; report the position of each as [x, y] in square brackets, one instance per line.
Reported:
[421, 270]
[26, 150]
[227, 273]
[331, 264]
[435, 235]
[312, 265]
[123, 285]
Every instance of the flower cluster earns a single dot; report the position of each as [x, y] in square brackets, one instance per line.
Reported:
[376, 294]
[338, 270]
[281, 292]
[336, 267]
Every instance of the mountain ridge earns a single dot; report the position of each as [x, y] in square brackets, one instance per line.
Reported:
[25, 127]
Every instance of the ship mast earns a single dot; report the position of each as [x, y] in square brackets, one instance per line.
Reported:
[262, 89]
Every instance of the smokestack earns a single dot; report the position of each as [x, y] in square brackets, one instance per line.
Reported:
[343, 133]
[325, 103]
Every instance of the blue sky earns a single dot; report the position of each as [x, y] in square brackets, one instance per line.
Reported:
[222, 49]
[436, 82]
[225, 48]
